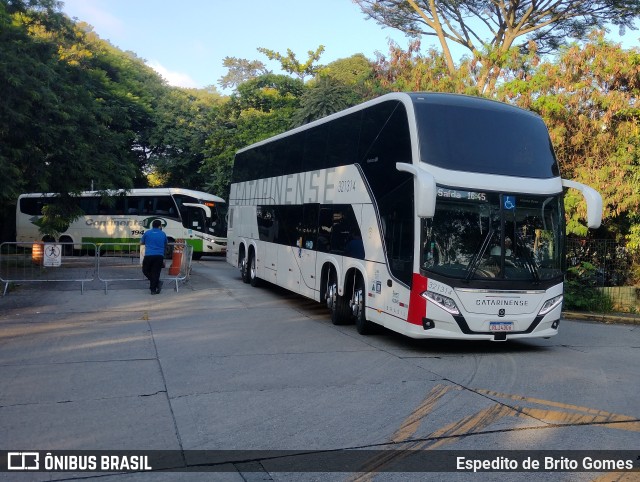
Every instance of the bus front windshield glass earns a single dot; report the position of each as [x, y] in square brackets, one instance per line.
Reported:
[218, 221]
[494, 236]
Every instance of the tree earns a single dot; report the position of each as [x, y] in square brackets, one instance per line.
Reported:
[411, 70]
[260, 108]
[590, 100]
[75, 112]
[182, 123]
[490, 29]
[327, 96]
[55, 135]
[240, 70]
[355, 70]
[290, 63]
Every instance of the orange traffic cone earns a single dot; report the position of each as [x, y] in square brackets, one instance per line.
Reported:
[37, 253]
[176, 260]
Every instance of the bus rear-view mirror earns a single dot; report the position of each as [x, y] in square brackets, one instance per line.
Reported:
[593, 199]
[425, 189]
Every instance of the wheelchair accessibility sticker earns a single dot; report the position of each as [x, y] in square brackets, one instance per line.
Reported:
[509, 202]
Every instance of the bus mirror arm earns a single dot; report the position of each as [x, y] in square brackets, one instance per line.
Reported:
[425, 189]
[206, 209]
[594, 202]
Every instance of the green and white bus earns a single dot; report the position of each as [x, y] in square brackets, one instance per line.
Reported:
[197, 217]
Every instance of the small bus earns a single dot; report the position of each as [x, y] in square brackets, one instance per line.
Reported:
[197, 217]
[433, 215]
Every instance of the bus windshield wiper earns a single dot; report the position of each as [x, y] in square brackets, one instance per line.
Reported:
[475, 262]
[529, 260]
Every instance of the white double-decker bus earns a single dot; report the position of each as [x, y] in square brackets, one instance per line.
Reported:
[434, 215]
[197, 217]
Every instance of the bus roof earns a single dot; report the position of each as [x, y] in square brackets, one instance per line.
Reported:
[141, 192]
[407, 98]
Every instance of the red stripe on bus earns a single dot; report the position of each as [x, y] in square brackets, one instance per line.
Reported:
[417, 303]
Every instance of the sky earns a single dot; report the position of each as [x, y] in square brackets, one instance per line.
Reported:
[186, 41]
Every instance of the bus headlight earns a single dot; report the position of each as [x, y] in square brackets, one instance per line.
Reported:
[443, 302]
[550, 304]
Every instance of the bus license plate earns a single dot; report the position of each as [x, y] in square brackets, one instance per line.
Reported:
[501, 326]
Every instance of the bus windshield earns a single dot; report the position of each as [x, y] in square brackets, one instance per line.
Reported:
[494, 236]
[462, 137]
[218, 222]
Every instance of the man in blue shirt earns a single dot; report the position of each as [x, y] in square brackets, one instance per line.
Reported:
[155, 243]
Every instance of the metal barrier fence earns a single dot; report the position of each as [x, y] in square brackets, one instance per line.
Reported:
[85, 262]
[600, 277]
[123, 262]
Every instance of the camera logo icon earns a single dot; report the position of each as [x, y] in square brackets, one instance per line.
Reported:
[23, 461]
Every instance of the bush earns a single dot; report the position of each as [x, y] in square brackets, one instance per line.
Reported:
[581, 292]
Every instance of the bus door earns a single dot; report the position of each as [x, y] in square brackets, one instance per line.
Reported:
[289, 252]
[196, 218]
[268, 231]
[307, 249]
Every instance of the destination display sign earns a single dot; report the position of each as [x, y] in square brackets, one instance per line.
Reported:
[462, 195]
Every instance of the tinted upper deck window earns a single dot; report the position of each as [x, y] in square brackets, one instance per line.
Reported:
[469, 134]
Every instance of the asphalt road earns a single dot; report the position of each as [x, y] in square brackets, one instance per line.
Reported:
[220, 365]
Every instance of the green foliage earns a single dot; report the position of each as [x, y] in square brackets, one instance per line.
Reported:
[326, 97]
[182, 124]
[496, 33]
[56, 217]
[412, 71]
[292, 65]
[72, 107]
[260, 108]
[353, 71]
[581, 293]
[588, 98]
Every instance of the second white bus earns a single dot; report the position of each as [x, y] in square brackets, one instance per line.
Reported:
[197, 217]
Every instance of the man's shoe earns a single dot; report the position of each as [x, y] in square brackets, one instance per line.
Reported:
[160, 283]
[154, 292]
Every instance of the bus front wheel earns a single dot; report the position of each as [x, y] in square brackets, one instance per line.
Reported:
[244, 268]
[253, 272]
[338, 305]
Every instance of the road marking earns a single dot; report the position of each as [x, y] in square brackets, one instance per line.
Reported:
[565, 415]
[413, 421]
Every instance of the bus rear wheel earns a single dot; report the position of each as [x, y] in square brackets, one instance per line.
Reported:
[244, 268]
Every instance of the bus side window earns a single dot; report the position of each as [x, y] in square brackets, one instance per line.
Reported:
[325, 223]
[344, 233]
[309, 228]
[163, 205]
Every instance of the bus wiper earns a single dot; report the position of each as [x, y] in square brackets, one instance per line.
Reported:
[478, 257]
[530, 262]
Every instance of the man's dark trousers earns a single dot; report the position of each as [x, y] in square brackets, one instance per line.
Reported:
[151, 268]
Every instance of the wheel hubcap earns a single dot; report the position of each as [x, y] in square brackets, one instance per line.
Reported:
[356, 303]
[331, 295]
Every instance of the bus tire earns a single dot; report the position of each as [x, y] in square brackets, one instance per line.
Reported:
[338, 305]
[253, 272]
[244, 268]
[364, 326]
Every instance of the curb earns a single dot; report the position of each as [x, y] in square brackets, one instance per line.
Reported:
[616, 318]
